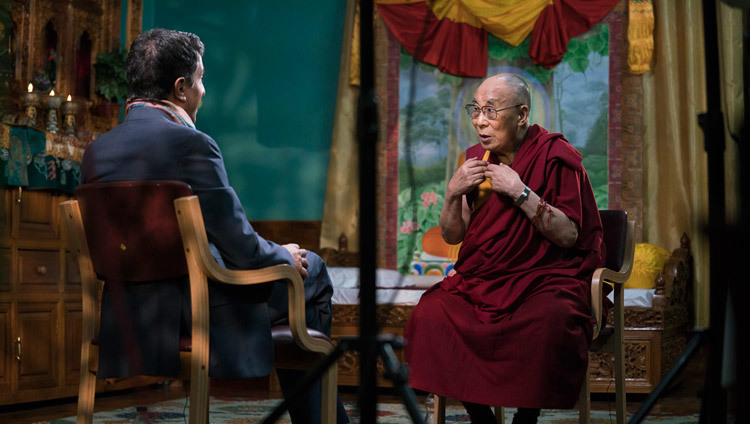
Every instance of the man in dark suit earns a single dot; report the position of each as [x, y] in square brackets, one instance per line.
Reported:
[158, 141]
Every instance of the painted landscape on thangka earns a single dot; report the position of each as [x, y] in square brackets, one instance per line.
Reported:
[434, 129]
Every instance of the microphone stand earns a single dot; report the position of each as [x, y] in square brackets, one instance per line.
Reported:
[369, 343]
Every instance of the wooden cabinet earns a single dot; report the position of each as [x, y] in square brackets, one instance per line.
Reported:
[40, 287]
[37, 337]
[40, 303]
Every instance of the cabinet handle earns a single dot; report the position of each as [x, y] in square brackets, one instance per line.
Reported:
[18, 349]
[20, 194]
[41, 270]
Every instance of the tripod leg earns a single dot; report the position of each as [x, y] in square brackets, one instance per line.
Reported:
[692, 346]
[321, 371]
[397, 373]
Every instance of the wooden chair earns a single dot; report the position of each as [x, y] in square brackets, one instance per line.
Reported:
[153, 230]
[619, 239]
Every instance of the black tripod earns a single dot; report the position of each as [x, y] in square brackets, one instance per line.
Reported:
[369, 344]
[724, 242]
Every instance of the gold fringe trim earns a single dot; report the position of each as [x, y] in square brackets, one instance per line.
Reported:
[354, 52]
[5, 136]
[640, 35]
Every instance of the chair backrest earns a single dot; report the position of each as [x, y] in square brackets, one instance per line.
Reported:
[131, 229]
[615, 225]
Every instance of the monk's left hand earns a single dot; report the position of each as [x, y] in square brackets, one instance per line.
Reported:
[505, 180]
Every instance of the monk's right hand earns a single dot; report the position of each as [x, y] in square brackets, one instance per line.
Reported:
[467, 177]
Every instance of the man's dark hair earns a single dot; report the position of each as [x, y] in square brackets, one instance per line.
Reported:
[159, 57]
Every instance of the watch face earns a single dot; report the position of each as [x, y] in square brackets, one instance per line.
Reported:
[522, 198]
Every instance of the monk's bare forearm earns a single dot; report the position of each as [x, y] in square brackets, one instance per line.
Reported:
[452, 224]
[550, 221]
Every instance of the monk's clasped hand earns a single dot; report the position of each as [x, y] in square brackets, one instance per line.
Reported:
[505, 180]
[468, 176]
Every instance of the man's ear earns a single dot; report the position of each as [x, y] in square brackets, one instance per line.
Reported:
[523, 115]
[179, 89]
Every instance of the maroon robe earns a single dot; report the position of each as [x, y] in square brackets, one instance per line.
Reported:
[513, 326]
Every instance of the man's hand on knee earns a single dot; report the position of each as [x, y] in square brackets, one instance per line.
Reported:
[300, 258]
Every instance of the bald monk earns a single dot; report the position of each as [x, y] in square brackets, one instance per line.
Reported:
[512, 326]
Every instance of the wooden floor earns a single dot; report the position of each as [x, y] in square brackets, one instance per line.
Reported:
[684, 398]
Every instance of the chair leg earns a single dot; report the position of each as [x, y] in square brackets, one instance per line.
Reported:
[199, 385]
[438, 417]
[620, 394]
[619, 352]
[500, 414]
[87, 384]
[329, 386]
[198, 403]
[584, 400]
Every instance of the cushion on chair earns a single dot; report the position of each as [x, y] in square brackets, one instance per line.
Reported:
[615, 225]
[286, 352]
[648, 261]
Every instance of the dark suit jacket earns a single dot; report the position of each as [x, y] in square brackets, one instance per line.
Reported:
[149, 146]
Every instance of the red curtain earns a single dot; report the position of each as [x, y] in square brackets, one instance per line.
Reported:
[455, 48]
[461, 49]
[561, 21]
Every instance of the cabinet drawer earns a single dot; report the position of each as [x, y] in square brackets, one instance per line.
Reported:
[39, 270]
[35, 215]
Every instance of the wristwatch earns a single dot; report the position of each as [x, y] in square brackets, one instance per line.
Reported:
[522, 198]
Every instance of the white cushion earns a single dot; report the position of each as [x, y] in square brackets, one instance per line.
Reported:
[348, 278]
[636, 297]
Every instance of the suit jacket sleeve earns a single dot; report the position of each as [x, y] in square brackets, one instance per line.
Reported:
[228, 229]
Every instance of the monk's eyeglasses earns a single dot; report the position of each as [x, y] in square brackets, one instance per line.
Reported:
[489, 111]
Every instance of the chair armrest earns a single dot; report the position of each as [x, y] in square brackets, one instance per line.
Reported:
[201, 262]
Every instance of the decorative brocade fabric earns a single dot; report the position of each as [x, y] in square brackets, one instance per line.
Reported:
[38, 159]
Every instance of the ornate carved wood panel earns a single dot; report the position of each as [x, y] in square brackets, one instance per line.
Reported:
[391, 320]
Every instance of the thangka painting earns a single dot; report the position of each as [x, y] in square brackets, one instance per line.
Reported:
[434, 130]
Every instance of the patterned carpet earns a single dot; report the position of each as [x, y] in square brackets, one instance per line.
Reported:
[242, 411]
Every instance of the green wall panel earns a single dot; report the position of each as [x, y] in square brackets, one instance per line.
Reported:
[271, 78]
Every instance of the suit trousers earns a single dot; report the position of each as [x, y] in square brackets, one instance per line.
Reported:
[318, 315]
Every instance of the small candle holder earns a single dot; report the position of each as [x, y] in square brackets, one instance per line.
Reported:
[30, 102]
[69, 111]
[52, 103]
